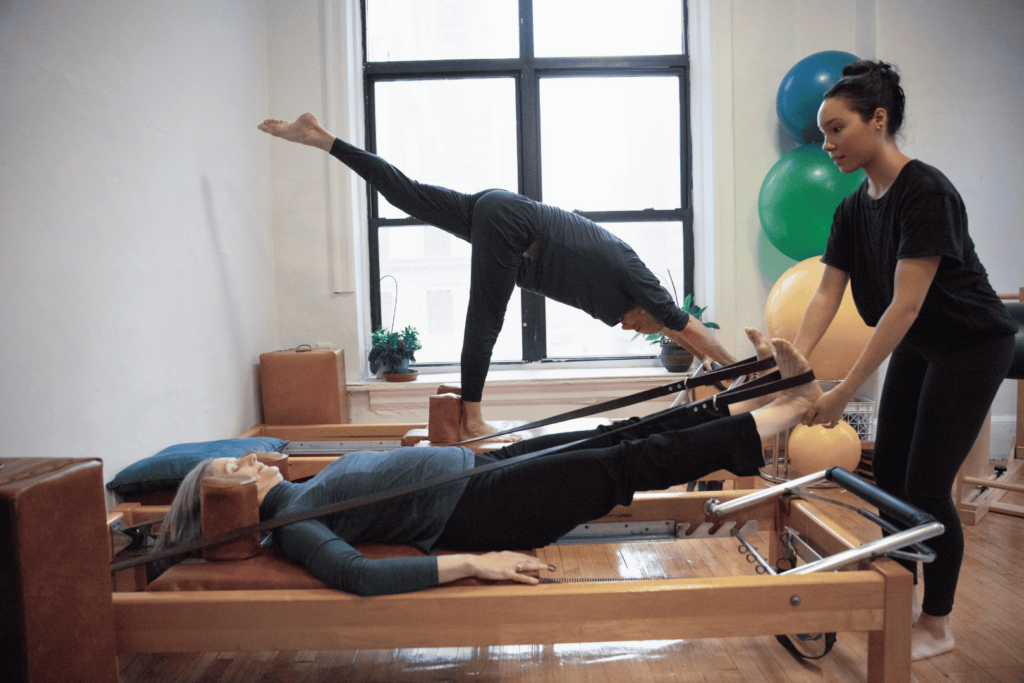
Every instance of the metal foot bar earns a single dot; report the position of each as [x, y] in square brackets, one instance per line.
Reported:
[923, 526]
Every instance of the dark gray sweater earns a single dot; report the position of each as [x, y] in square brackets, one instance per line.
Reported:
[323, 545]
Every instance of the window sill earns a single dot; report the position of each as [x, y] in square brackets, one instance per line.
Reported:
[513, 394]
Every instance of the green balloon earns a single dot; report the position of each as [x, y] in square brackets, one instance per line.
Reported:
[798, 198]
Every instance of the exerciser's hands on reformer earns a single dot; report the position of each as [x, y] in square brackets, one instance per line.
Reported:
[499, 566]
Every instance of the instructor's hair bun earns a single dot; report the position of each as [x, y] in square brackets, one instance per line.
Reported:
[869, 85]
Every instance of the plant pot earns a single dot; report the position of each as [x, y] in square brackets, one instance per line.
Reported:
[399, 368]
[674, 357]
[400, 372]
[402, 377]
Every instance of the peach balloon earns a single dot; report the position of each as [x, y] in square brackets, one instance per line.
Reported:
[812, 449]
[845, 338]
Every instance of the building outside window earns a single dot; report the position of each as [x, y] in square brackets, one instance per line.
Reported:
[580, 104]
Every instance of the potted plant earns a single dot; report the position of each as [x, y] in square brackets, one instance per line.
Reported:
[392, 351]
[674, 357]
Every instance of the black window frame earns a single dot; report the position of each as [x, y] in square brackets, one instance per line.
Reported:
[527, 71]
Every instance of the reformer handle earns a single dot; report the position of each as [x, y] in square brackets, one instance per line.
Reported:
[906, 513]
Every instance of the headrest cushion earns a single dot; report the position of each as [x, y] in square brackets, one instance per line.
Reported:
[229, 502]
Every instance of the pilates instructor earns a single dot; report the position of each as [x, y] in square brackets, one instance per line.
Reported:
[901, 242]
[515, 240]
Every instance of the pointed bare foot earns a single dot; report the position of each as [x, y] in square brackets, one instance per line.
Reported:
[930, 636]
[789, 405]
[305, 130]
[790, 364]
[762, 347]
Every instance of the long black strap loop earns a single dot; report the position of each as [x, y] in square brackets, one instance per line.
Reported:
[733, 371]
[725, 398]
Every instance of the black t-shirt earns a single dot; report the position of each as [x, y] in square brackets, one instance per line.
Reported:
[921, 215]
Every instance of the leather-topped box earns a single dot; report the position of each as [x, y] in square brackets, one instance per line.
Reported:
[56, 611]
[304, 386]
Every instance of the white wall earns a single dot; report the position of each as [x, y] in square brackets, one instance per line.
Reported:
[136, 260]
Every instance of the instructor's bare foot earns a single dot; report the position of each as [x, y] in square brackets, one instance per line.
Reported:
[305, 130]
[930, 636]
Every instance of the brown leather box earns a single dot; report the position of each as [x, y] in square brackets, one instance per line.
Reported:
[304, 387]
[56, 611]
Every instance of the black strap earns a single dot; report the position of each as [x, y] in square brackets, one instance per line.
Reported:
[733, 371]
[725, 398]
[830, 640]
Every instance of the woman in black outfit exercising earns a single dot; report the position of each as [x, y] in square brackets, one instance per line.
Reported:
[516, 240]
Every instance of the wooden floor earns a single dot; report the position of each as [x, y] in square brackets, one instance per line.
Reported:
[988, 621]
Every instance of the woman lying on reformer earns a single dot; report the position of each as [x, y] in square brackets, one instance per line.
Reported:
[524, 505]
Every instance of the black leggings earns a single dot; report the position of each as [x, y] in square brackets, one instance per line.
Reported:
[532, 504]
[933, 406]
[499, 225]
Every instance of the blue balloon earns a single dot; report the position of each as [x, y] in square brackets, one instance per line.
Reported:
[802, 90]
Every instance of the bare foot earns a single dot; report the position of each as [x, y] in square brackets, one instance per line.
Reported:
[930, 636]
[474, 430]
[764, 349]
[789, 406]
[305, 130]
[762, 346]
[915, 607]
[790, 364]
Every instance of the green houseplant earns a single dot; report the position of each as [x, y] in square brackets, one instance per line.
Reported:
[393, 351]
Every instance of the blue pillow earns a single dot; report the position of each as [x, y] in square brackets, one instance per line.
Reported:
[165, 470]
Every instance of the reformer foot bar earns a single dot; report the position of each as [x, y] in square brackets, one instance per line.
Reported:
[921, 526]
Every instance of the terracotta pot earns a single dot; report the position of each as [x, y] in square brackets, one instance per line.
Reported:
[674, 357]
[400, 372]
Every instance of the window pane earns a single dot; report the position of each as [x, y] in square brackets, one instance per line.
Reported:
[432, 271]
[459, 134]
[407, 30]
[607, 28]
[611, 143]
[573, 333]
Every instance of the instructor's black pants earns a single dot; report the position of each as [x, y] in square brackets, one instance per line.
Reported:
[932, 407]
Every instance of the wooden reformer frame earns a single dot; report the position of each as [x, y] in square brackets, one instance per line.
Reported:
[872, 597]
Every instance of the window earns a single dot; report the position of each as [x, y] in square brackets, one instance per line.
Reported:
[581, 104]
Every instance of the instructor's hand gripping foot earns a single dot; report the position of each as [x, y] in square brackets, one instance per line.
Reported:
[789, 406]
